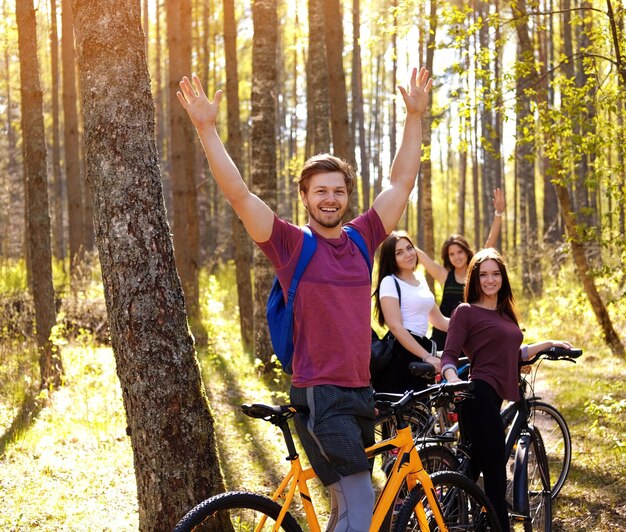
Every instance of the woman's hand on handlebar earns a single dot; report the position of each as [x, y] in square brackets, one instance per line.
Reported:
[451, 375]
[534, 349]
[561, 343]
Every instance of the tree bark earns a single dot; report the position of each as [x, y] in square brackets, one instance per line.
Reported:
[234, 143]
[183, 163]
[263, 155]
[35, 169]
[169, 421]
[73, 179]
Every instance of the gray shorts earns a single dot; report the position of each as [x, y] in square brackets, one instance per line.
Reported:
[339, 426]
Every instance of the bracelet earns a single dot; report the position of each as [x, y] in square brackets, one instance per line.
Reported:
[499, 213]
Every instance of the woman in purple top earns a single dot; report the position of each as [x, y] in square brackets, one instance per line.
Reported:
[486, 328]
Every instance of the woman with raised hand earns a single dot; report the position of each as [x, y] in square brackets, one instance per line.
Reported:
[404, 303]
[456, 254]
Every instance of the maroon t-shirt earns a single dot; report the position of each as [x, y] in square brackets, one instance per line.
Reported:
[332, 307]
[491, 341]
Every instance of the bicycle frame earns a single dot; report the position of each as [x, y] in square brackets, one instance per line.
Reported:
[407, 467]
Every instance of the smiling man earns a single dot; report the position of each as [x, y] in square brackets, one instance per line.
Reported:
[332, 305]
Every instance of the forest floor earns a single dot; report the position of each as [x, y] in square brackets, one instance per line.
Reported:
[66, 462]
[70, 466]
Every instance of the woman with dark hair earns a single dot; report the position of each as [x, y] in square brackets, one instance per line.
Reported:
[486, 329]
[405, 304]
[456, 254]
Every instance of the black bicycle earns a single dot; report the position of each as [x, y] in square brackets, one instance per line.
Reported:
[542, 415]
[530, 488]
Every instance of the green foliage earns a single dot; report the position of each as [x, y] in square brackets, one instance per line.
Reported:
[19, 377]
[13, 279]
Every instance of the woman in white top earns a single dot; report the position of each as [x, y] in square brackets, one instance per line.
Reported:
[404, 303]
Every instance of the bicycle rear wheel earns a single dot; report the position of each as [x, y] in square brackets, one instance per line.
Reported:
[463, 506]
[438, 458]
[556, 439]
[237, 511]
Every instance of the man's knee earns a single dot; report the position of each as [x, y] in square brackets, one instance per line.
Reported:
[357, 493]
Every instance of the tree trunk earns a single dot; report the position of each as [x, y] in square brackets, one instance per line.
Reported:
[358, 116]
[552, 229]
[73, 179]
[584, 274]
[241, 241]
[524, 154]
[426, 196]
[34, 150]
[376, 127]
[339, 120]
[14, 216]
[343, 146]
[56, 195]
[169, 422]
[183, 163]
[318, 103]
[263, 156]
[393, 121]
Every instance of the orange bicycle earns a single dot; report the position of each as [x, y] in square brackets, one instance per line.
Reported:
[410, 500]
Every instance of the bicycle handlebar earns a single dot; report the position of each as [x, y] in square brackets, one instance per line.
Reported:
[556, 353]
[396, 402]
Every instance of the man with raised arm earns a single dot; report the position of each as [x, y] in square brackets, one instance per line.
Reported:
[332, 305]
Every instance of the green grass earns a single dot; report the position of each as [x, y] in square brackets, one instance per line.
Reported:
[70, 467]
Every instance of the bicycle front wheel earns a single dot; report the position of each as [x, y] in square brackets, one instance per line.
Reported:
[463, 506]
[237, 511]
[556, 439]
[532, 483]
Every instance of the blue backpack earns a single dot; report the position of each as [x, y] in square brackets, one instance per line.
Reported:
[279, 313]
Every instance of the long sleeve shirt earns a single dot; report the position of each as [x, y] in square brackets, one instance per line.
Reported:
[491, 341]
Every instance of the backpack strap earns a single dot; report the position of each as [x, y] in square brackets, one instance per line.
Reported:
[309, 245]
[398, 289]
[356, 237]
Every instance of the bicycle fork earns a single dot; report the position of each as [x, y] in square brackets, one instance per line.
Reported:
[521, 501]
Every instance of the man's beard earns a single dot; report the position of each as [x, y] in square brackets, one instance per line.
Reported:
[328, 224]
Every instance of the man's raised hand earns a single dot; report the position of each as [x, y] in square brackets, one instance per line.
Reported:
[201, 111]
[416, 97]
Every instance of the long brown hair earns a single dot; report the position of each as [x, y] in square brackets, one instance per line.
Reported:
[388, 265]
[473, 292]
